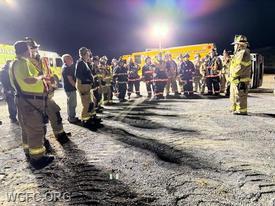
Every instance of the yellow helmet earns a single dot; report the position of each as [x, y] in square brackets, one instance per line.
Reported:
[240, 39]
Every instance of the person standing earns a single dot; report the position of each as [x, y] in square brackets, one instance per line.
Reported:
[203, 73]
[97, 85]
[197, 75]
[69, 84]
[240, 75]
[147, 76]
[106, 80]
[133, 78]
[160, 77]
[172, 72]
[225, 84]
[84, 81]
[52, 108]
[121, 79]
[31, 98]
[186, 74]
[214, 66]
[9, 92]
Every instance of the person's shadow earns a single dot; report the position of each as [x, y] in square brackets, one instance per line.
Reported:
[78, 182]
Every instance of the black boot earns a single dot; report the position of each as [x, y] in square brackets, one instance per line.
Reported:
[62, 138]
[96, 119]
[48, 146]
[41, 162]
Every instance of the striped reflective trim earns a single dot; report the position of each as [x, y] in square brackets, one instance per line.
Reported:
[107, 78]
[236, 80]
[160, 80]
[25, 146]
[122, 82]
[37, 150]
[242, 63]
[238, 109]
[246, 64]
[133, 80]
[92, 113]
[212, 75]
[121, 74]
[159, 93]
[85, 118]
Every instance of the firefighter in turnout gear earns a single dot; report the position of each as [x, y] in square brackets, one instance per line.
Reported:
[203, 72]
[114, 64]
[225, 84]
[186, 74]
[133, 78]
[31, 97]
[197, 75]
[96, 84]
[214, 66]
[121, 79]
[147, 76]
[160, 77]
[84, 82]
[106, 80]
[172, 72]
[52, 109]
[240, 75]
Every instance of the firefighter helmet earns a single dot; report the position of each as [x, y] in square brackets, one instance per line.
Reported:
[186, 55]
[240, 39]
[33, 44]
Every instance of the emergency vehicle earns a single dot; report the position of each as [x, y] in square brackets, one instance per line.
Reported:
[203, 50]
[7, 52]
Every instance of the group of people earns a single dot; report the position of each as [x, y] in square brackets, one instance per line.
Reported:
[29, 78]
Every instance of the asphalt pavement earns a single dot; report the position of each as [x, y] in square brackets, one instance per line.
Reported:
[171, 152]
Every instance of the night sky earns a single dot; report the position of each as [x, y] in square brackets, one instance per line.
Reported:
[116, 27]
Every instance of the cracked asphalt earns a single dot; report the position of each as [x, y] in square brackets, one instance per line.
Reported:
[171, 152]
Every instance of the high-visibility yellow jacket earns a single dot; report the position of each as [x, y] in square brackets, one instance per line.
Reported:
[22, 69]
[240, 67]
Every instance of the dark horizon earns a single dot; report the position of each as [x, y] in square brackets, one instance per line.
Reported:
[114, 28]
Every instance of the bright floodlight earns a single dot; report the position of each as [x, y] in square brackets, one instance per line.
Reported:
[9, 3]
[160, 30]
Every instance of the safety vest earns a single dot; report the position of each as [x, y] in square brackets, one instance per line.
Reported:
[22, 69]
[240, 67]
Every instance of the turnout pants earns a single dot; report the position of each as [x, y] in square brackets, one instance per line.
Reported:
[131, 85]
[122, 88]
[53, 112]
[213, 83]
[238, 98]
[107, 94]
[33, 127]
[98, 96]
[149, 88]
[203, 84]
[224, 83]
[88, 109]
[197, 83]
[159, 88]
[172, 82]
[188, 86]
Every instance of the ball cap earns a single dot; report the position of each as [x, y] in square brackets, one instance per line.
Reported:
[21, 47]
